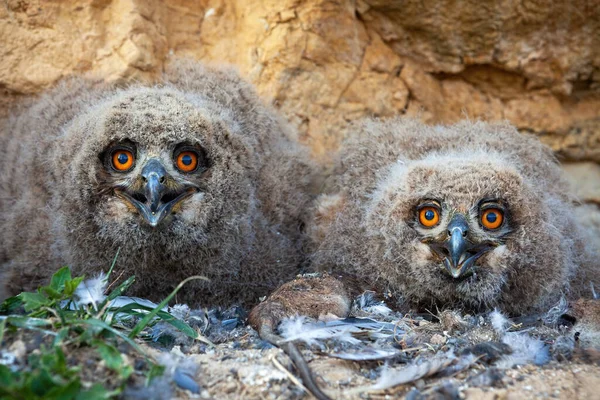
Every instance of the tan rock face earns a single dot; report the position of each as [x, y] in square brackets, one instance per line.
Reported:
[325, 64]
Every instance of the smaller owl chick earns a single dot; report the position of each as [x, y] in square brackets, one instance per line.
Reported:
[194, 176]
[473, 215]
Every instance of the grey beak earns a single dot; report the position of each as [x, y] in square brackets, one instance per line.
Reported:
[461, 253]
[154, 174]
[158, 203]
[457, 246]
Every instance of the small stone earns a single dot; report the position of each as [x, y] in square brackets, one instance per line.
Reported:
[18, 348]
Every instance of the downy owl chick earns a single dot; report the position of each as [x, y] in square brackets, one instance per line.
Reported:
[194, 176]
[474, 215]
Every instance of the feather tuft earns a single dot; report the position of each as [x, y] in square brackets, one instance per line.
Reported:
[499, 322]
[303, 330]
[91, 291]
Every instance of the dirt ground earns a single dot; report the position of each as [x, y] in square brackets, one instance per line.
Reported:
[226, 373]
[242, 366]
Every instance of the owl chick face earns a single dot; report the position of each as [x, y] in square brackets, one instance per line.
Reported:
[447, 224]
[154, 166]
[153, 182]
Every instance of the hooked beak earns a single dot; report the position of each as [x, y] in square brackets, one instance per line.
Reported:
[157, 201]
[458, 252]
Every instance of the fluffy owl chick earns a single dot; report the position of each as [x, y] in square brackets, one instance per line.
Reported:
[474, 215]
[194, 176]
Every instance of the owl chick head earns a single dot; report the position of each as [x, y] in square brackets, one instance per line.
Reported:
[459, 215]
[149, 162]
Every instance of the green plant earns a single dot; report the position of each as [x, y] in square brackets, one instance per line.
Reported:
[57, 313]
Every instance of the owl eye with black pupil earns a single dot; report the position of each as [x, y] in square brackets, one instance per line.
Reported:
[492, 218]
[187, 161]
[122, 160]
[429, 216]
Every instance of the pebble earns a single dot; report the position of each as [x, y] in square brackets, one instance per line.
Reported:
[19, 349]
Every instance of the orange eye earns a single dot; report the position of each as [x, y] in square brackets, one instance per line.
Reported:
[429, 216]
[187, 161]
[122, 160]
[492, 218]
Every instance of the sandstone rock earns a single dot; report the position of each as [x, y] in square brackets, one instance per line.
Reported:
[326, 64]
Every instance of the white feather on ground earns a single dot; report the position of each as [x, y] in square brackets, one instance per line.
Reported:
[303, 330]
[526, 350]
[345, 330]
[367, 354]
[91, 291]
[421, 369]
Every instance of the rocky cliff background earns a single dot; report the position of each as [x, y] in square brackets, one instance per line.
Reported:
[325, 63]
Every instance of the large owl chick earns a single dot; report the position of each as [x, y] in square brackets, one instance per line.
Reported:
[193, 176]
[471, 215]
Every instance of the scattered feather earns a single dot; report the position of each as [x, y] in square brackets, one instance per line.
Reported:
[301, 329]
[525, 350]
[180, 311]
[368, 304]
[499, 322]
[563, 347]
[391, 378]
[91, 291]
[367, 354]
[553, 315]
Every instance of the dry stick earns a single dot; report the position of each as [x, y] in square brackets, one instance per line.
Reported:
[289, 348]
[288, 373]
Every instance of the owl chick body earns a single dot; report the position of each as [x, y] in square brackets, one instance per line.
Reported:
[194, 176]
[472, 215]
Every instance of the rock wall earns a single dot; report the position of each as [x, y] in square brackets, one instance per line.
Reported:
[326, 63]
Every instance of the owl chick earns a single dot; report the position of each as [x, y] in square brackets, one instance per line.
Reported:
[474, 215]
[194, 176]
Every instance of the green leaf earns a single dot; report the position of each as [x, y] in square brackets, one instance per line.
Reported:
[71, 285]
[179, 324]
[60, 336]
[97, 392]
[27, 322]
[59, 278]
[133, 310]
[126, 371]
[10, 305]
[156, 370]
[6, 377]
[113, 263]
[2, 328]
[110, 355]
[67, 391]
[40, 382]
[50, 293]
[33, 301]
[104, 325]
[146, 320]
[120, 289]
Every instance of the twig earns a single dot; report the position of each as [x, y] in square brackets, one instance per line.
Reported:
[288, 373]
[289, 348]
[114, 281]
